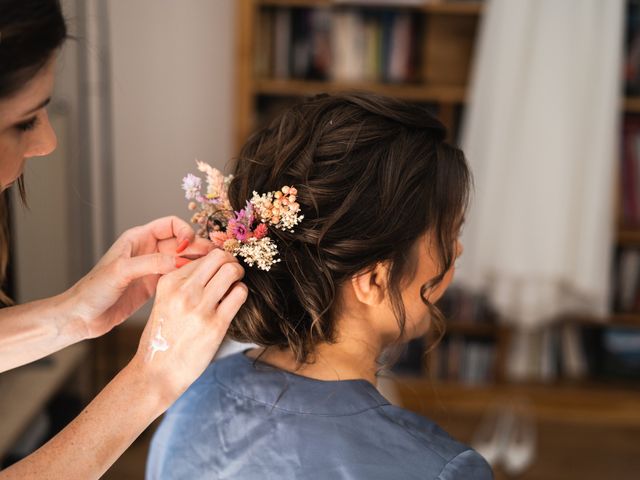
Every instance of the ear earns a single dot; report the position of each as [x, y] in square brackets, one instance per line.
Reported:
[370, 287]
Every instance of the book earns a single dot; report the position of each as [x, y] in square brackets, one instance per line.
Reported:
[400, 49]
[321, 32]
[301, 42]
[349, 46]
[282, 43]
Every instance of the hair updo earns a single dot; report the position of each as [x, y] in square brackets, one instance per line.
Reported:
[373, 174]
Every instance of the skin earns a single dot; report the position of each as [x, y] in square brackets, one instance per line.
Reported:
[366, 324]
[194, 302]
[17, 113]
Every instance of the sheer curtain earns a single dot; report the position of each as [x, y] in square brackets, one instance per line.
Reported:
[540, 136]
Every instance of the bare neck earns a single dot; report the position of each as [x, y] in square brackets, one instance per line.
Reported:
[353, 356]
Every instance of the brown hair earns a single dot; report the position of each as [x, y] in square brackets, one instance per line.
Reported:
[373, 174]
[30, 32]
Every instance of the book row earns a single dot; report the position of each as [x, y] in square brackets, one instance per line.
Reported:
[340, 43]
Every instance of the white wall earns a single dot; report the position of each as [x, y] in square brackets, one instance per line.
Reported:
[171, 72]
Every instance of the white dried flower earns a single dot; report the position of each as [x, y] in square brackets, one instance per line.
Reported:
[261, 252]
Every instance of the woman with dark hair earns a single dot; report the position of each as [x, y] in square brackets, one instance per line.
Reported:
[195, 300]
[374, 200]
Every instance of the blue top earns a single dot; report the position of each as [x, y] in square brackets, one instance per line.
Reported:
[247, 420]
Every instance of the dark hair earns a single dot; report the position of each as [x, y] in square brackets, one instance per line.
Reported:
[373, 174]
[30, 32]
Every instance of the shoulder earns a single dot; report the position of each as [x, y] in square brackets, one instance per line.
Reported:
[467, 464]
[454, 460]
[206, 389]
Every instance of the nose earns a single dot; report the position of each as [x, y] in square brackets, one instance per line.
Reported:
[44, 140]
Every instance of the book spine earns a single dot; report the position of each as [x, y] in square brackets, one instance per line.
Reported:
[282, 43]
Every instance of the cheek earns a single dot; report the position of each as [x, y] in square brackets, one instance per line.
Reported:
[418, 318]
[418, 321]
[440, 289]
[11, 160]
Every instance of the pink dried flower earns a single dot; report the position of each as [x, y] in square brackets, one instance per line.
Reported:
[238, 230]
[218, 238]
[260, 231]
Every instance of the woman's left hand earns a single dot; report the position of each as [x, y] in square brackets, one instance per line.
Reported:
[127, 275]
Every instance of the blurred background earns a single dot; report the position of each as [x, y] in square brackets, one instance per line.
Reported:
[539, 368]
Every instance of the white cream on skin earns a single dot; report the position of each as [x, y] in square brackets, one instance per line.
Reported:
[158, 343]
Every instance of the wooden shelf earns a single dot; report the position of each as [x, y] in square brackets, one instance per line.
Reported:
[632, 104]
[573, 403]
[436, 7]
[417, 93]
[27, 389]
[629, 237]
[625, 320]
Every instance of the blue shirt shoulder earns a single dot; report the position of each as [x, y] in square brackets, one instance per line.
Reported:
[244, 419]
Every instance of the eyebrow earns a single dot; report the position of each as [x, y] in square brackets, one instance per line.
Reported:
[42, 104]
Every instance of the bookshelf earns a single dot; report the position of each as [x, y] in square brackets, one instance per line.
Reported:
[584, 403]
[445, 35]
[418, 93]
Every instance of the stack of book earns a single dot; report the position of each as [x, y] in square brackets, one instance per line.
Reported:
[627, 281]
[632, 47]
[466, 354]
[630, 173]
[464, 359]
[339, 43]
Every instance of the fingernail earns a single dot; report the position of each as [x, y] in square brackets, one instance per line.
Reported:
[181, 261]
[183, 246]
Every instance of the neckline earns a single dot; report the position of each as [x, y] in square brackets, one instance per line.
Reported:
[256, 361]
[287, 391]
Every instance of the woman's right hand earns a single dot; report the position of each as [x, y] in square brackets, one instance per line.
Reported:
[193, 309]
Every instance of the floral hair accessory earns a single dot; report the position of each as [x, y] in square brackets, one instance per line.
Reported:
[243, 233]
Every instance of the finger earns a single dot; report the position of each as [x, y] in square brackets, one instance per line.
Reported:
[199, 247]
[182, 246]
[208, 266]
[216, 289]
[231, 303]
[165, 228]
[189, 266]
[181, 262]
[143, 265]
[185, 267]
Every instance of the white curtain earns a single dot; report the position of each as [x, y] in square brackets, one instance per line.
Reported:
[540, 133]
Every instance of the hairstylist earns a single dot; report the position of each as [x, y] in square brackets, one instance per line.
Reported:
[195, 301]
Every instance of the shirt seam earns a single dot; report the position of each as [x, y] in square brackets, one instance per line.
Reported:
[439, 477]
[275, 407]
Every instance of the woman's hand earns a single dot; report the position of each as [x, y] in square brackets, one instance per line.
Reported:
[127, 275]
[190, 317]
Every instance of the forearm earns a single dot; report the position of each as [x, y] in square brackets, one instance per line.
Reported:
[90, 444]
[34, 330]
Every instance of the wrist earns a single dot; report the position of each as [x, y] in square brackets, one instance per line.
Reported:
[152, 382]
[67, 313]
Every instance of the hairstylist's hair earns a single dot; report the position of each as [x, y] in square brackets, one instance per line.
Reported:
[373, 175]
[30, 32]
